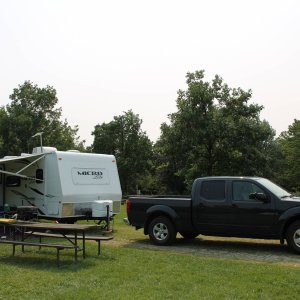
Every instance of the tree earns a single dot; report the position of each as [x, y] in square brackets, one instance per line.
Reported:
[124, 138]
[33, 110]
[216, 131]
[289, 143]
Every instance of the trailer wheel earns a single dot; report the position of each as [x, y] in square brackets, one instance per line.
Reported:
[162, 231]
[293, 236]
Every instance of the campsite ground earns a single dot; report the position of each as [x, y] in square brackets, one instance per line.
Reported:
[132, 268]
[256, 250]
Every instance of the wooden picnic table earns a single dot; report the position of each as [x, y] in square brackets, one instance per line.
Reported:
[70, 232]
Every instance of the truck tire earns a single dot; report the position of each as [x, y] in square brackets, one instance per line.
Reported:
[189, 235]
[293, 236]
[161, 231]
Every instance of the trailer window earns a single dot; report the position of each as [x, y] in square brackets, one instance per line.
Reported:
[213, 190]
[13, 181]
[39, 176]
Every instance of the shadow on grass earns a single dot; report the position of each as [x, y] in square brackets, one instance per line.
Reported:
[233, 245]
[46, 261]
[229, 248]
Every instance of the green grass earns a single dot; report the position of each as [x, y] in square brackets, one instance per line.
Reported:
[126, 272]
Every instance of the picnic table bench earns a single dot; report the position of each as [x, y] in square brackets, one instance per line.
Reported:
[25, 243]
[96, 238]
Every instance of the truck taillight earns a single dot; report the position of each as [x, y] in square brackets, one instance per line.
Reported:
[128, 206]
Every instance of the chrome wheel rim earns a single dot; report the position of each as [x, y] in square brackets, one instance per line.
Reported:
[160, 231]
[296, 237]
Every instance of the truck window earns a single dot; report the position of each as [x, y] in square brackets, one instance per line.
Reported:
[213, 190]
[242, 189]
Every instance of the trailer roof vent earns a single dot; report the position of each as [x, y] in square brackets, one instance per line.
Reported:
[25, 154]
[75, 151]
[39, 150]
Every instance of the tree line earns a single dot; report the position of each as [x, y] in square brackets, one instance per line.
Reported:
[216, 130]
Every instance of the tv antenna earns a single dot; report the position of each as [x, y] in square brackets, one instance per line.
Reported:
[40, 134]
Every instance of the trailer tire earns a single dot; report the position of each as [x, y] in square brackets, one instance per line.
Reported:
[293, 236]
[162, 231]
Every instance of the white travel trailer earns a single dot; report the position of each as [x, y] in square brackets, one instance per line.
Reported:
[62, 185]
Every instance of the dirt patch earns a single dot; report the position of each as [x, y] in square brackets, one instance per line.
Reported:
[228, 248]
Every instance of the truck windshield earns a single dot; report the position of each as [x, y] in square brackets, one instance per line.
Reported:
[274, 188]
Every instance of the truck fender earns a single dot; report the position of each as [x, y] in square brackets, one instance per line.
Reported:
[160, 210]
[287, 218]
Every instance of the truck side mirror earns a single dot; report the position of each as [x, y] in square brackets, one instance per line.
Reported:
[259, 196]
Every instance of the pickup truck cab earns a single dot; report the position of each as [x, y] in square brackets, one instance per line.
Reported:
[250, 207]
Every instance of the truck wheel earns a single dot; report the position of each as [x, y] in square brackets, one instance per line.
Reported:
[161, 231]
[293, 236]
[189, 235]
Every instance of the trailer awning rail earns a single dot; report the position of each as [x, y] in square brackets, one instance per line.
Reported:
[28, 160]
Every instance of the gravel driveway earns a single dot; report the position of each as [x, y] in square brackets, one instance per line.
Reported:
[230, 248]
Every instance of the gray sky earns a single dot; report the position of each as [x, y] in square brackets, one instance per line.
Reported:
[106, 57]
